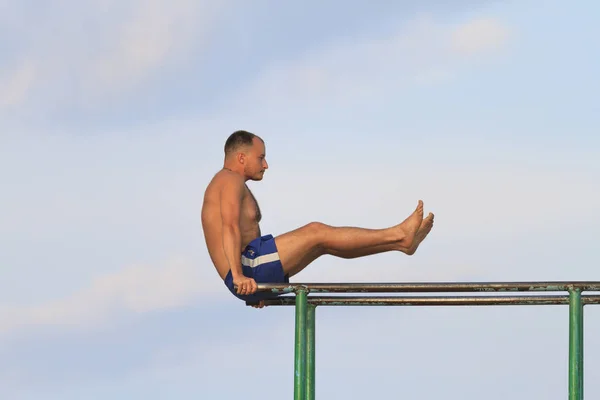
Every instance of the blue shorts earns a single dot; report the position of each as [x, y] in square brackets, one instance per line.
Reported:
[260, 261]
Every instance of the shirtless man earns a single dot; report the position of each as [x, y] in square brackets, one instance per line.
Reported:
[243, 256]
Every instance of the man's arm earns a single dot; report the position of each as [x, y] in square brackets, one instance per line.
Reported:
[231, 203]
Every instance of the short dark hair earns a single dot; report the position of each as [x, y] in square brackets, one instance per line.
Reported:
[238, 139]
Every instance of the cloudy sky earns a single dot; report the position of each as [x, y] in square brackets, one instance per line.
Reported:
[113, 115]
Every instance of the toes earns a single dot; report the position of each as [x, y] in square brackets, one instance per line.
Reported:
[419, 206]
[427, 220]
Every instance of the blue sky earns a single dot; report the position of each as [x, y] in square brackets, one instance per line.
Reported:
[113, 115]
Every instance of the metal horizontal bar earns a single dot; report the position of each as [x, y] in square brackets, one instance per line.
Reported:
[430, 287]
[432, 300]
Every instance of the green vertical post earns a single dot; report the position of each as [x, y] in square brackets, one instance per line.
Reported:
[300, 346]
[575, 345]
[581, 329]
[310, 352]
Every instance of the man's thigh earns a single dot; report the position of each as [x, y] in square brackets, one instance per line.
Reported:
[298, 248]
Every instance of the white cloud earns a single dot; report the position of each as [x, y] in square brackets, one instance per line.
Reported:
[101, 49]
[123, 45]
[16, 83]
[156, 33]
[422, 51]
[135, 289]
[479, 35]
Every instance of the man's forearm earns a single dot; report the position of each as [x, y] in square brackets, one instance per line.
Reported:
[232, 244]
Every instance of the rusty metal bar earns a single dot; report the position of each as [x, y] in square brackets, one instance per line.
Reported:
[432, 300]
[551, 286]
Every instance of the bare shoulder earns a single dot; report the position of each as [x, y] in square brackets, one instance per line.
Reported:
[225, 186]
[225, 181]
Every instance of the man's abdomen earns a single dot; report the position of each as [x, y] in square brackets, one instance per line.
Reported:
[249, 234]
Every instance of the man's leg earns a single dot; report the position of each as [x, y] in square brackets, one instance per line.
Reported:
[421, 234]
[300, 247]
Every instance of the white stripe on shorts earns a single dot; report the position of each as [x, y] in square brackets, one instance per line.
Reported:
[249, 262]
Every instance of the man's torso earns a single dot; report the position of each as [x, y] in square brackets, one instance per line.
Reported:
[250, 217]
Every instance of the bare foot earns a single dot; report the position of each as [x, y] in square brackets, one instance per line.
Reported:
[410, 225]
[421, 234]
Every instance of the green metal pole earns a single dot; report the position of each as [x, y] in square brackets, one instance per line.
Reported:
[581, 348]
[575, 345]
[300, 347]
[310, 352]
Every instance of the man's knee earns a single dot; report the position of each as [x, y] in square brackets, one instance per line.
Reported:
[317, 233]
[316, 227]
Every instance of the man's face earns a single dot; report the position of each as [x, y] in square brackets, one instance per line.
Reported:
[255, 161]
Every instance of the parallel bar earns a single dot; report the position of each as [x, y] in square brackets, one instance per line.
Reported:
[431, 300]
[310, 352]
[300, 347]
[575, 345]
[431, 287]
[305, 306]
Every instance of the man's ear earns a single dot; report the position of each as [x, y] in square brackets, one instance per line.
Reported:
[241, 157]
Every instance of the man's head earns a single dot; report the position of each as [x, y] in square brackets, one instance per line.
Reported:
[245, 153]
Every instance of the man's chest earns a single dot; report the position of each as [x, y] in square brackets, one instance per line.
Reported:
[250, 209]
